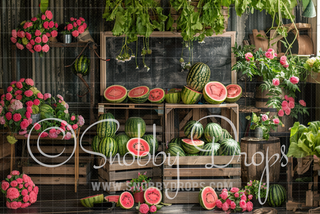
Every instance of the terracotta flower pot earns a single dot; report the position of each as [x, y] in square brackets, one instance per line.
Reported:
[138, 197]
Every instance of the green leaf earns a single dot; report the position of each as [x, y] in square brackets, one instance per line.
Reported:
[296, 151]
[44, 5]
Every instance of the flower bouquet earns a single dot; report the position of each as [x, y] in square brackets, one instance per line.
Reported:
[234, 200]
[34, 34]
[19, 190]
[78, 28]
[145, 208]
[138, 186]
[252, 188]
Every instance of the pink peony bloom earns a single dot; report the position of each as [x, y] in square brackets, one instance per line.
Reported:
[28, 35]
[303, 103]
[14, 33]
[225, 206]
[64, 123]
[13, 40]
[40, 96]
[69, 26]
[46, 96]
[80, 121]
[78, 22]
[68, 136]
[19, 46]
[13, 193]
[32, 197]
[44, 38]
[283, 60]
[219, 204]
[8, 115]
[14, 183]
[286, 65]
[60, 97]
[54, 33]
[32, 42]
[48, 14]
[72, 19]
[43, 17]
[294, 80]
[73, 117]
[251, 196]
[233, 205]
[236, 195]
[37, 48]
[26, 198]
[243, 197]
[15, 205]
[37, 126]
[22, 132]
[264, 117]
[269, 55]
[9, 89]
[53, 135]
[85, 25]
[28, 93]
[34, 19]
[19, 180]
[144, 208]
[37, 39]
[63, 128]
[291, 105]
[8, 96]
[243, 204]
[51, 24]
[75, 33]
[24, 124]
[75, 24]
[4, 185]
[29, 104]
[276, 82]
[287, 111]
[21, 34]
[20, 186]
[284, 104]
[2, 120]
[36, 102]
[234, 189]
[56, 25]
[248, 55]
[249, 206]
[153, 209]
[16, 105]
[29, 82]
[45, 48]
[9, 176]
[280, 113]
[17, 117]
[26, 179]
[275, 121]
[36, 190]
[81, 29]
[48, 34]
[224, 195]
[19, 85]
[37, 33]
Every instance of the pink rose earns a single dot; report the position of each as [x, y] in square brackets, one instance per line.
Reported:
[25, 26]
[68, 136]
[233, 205]
[40, 96]
[234, 189]
[291, 105]
[32, 42]
[9, 89]
[75, 24]
[13, 82]
[15, 205]
[270, 50]
[26, 185]
[43, 17]
[283, 60]
[275, 121]
[82, 19]
[75, 33]
[20, 186]
[18, 92]
[85, 25]
[44, 38]
[8, 204]
[248, 56]
[36, 102]
[290, 99]
[74, 127]
[9, 176]
[284, 104]
[37, 126]
[78, 22]
[36, 190]
[21, 34]
[34, 19]
[153, 209]
[29, 104]
[28, 35]
[219, 204]
[225, 206]
[26, 179]
[249, 206]
[8, 115]
[17, 117]
[54, 33]
[224, 195]
[37, 48]
[276, 82]
[44, 134]
[269, 55]
[14, 183]
[45, 48]
[13, 40]
[303, 103]
[72, 19]
[243, 197]
[19, 46]
[28, 93]
[56, 25]
[63, 128]
[22, 132]
[32, 197]
[29, 188]
[52, 131]
[69, 26]
[48, 34]
[243, 204]
[5, 185]
[280, 113]
[19, 180]
[46, 96]
[264, 117]
[81, 29]
[49, 14]
[29, 82]
[37, 33]
[73, 118]
[14, 33]
[144, 208]
[24, 124]
[251, 196]
[37, 39]
[26, 198]
[228, 201]
[13, 193]
[294, 80]
[236, 195]
[19, 85]
[287, 111]
[51, 24]
[64, 123]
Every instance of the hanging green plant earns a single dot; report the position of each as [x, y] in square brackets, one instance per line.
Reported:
[132, 18]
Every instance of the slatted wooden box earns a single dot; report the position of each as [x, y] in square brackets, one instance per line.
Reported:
[117, 174]
[193, 175]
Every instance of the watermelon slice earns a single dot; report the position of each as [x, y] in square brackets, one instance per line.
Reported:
[139, 94]
[192, 146]
[234, 93]
[112, 198]
[208, 198]
[138, 147]
[156, 95]
[152, 196]
[215, 92]
[115, 94]
[190, 96]
[89, 201]
[126, 200]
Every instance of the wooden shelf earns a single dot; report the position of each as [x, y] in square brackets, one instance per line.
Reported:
[69, 45]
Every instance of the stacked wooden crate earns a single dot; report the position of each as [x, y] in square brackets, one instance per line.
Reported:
[5, 151]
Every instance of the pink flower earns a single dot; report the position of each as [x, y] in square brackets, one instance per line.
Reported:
[73, 117]
[29, 82]
[60, 97]
[48, 34]
[13, 40]
[75, 33]
[32, 42]
[15, 205]
[2, 120]
[44, 38]
[283, 60]
[43, 17]
[9, 89]
[284, 104]
[291, 105]
[249, 206]
[8, 115]
[68, 136]
[9, 176]
[53, 135]
[13, 82]
[286, 65]
[8, 204]
[14, 183]
[228, 201]
[21, 34]
[37, 33]
[69, 26]
[275, 82]
[40, 96]
[236, 195]
[144, 208]
[51, 24]
[243, 204]
[46, 96]
[243, 197]
[25, 205]
[234, 189]
[19, 180]
[233, 205]
[14, 33]
[56, 25]
[34, 19]
[85, 25]
[5, 185]
[29, 104]
[36, 190]
[49, 14]
[264, 117]
[32, 197]
[36, 102]
[28, 93]
[74, 24]
[225, 206]
[22, 132]
[25, 26]
[82, 19]
[275, 121]
[74, 127]
[28, 35]
[280, 113]
[72, 19]
[20, 186]
[44, 134]
[248, 56]
[17, 117]
[37, 48]
[19, 85]
[153, 209]
[37, 126]
[219, 204]
[45, 48]
[250, 197]
[54, 33]
[270, 50]
[37, 39]
[13, 193]
[287, 111]
[269, 55]
[29, 109]
[81, 29]
[19, 46]
[303, 103]
[294, 80]
[78, 22]
[64, 123]
[224, 195]
[24, 124]
[26, 198]
[26, 185]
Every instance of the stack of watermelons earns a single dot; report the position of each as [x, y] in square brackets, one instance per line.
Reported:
[133, 140]
[211, 139]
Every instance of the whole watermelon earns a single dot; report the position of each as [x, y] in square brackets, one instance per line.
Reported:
[175, 142]
[122, 140]
[198, 76]
[209, 149]
[108, 146]
[277, 195]
[212, 131]
[107, 128]
[95, 143]
[194, 126]
[81, 65]
[131, 127]
[228, 147]
[153, 143]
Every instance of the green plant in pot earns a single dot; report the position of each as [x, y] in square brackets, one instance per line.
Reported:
[252, 188]
[138, 186]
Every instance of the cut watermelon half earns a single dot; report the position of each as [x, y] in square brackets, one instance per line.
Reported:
[192, 146]
[234, 93]
[115, 94]
[139, 94]
[91, 200]
[138, 147]
[112, 198]
[152, 196]
[208, 198]
[126, 200]
[156, 95]
[190, 96]
[215, 92]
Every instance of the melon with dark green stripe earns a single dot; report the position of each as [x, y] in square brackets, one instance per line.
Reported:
[107, 128]
[225, 135]
[153, 143]
[173, 96]
[175, 150]
[175, 142]
[91, 200]
[139, 94]
[192, 154]
[215, 92]
[108, 146]
[277, 195]
[135, 127]
[195, 128]
[95, 143]
[115, 94]
[81, 65]
[122, 140]
[212, 149]
[192, 146]
[189, 96]
[213, 131]
[229, 147]
[198, 76]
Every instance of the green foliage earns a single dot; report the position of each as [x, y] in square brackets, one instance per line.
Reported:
[252, 188]
[139, 184]
[44, 5]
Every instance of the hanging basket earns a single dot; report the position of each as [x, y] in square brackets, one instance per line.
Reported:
[85, 37]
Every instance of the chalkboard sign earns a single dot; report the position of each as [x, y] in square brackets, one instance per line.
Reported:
[165, 69]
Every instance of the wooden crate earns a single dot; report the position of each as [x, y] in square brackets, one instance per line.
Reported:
[193, 175]
[117, 175]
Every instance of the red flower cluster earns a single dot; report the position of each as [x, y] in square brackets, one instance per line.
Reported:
[287, 104]
[235, 200]
[34, 34]
[76, 26]
[20, 190]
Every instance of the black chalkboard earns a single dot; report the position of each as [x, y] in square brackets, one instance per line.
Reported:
[165, 68]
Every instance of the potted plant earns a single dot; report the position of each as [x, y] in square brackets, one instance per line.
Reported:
[234, 200]
[138, 185]
[77, 28]
[252, 188]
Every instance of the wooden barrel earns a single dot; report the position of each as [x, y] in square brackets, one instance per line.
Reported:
[261, 103]
[250, 146]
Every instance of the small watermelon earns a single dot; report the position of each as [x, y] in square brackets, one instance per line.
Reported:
[126, 200]
[173, 96]
[192, 146]
[107, 128]
[131, 127]
[91, 200]
[175, 142]
[157, 95]
[209, 149]
[95, 143]
[234, 93]
[138, 147]
[81, 65]
[277, 195]
[215, 92]
[198, 76]
[108, 146]
[189, 96]
[122, 140]
[195, 127]
[153, 143]
[152, 196]
[174, 150]
[225, 135]
[115, 94]
[212, 132]
[229, 147]
[208, 198]
[139, 94]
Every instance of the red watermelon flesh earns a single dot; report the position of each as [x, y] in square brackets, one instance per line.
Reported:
[209, 198]
[115, 93]
[112, 198]
[156, 95]
[234, 93]
[138, 147]
[216, 91]
[126, 200]
[138, 91]
[195, 142]
[152, 196]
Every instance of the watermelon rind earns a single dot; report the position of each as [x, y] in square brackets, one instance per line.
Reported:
[120, 99]
[189, 96]
[203, 201]
[131, 127]
[139, 99]
[213, 131]
[211, 100]
[95, 143]
[81, 65]
[91, 200]
[108, 146]
[198, 76]
[107, 128]
[126, 200]
[153, 143]
[122, 140]
[225, 135]
[209, 151]
[229, 147]
[149, 195]
[191, 147]
[174, 97]
[174, 150]
[195, 128]
[192, 154]
[230, 99]
[159, 99]
[277, 195]
[134, 151]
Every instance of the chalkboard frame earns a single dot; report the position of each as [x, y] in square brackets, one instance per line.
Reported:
[103, 64]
